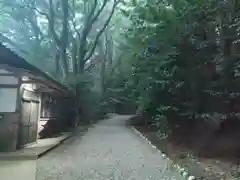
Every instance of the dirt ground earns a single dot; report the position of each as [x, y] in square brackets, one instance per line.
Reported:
[208, 153]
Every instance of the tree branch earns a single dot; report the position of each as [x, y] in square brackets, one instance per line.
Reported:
[90, 21]
[92, 10]
[72, 12]
[88, 24]
[73, 19]
[38, 11]
[37, 31]
[51, 22]
[94, 45]
[50, 19]
[83, 38]
[99, 11]
[32, 18]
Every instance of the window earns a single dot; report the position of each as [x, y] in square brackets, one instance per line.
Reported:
[8, 80]
[3, 71]
[8, 92]
[8, 99]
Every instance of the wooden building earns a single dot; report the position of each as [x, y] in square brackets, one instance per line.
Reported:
[32, 104]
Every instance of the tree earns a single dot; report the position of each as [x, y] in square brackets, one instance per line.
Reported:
[64, 33]
[176, 50]
[67, 25]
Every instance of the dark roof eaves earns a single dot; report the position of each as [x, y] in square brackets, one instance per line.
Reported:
[12, 59]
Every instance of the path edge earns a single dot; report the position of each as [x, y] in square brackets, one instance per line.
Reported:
[183, 172]
[54, 146]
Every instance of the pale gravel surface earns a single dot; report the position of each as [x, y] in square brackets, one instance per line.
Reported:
[108, 151]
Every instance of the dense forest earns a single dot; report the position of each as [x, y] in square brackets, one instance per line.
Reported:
[173, 62]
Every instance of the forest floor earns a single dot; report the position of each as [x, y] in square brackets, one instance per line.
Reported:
[207, 155]
[109, 150]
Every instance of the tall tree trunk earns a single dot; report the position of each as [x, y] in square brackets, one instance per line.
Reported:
[81, 66]
[57, 65]
[64, 38]
[74, 57]
[63, 60]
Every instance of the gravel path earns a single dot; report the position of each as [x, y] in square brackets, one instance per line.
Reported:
[108, 151]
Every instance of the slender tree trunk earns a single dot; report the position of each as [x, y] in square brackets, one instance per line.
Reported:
[81, 66]
[103, 77]
[74, 57]
[82, 52]
[57, 65]
[77, 106]
[63, 60]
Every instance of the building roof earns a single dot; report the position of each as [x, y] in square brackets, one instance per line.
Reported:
[9, 58]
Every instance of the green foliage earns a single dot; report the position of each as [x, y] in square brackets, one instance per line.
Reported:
[181, 59]
[164, 59]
